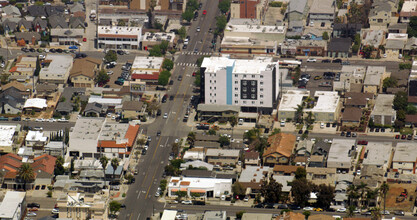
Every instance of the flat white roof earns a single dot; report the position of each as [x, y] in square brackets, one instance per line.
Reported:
[214, 64]
[377, 153]
[222, 152]
[169, 215]
[6, 135]
[253, 173]
[58, 67]
[409, 6]
[35, 103]
[374, 75]
[405, 152]
[253, 66]
[326, 102]
[291, 99]
[397, 36]
[196, 182]
[159, 36]
[339, 153]
[118, 30]
[10, 204]
[84, 134]
[265, 29]
[105, 101]
[147, 63]
[384, 105]
[36, 136]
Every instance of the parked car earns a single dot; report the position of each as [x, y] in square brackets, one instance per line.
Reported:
[311, 60]
[326, 61]
[33, 204]
[308, 208]
[399, 212]
[187, 202]
[318, 209]
[55, 211]
[337, 61]
[165, 115]
[341, 210]
[31, 214]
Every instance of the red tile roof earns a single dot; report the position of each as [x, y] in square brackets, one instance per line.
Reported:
[145, 76]
[280, 143]
[45, 163]
[110, 144]
[131, 134]
[10, 162]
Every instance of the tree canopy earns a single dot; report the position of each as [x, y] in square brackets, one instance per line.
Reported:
[221, 23]
[110, 56]
[168, 64]
[300, 173]
[164, 77]
[271, 190]
[182, 32]
[187, 15]
[412, 27]
[102, 78]
[390, 82]
[224, 141]
[325, 196]
[238, 189]
[114, 206]
[300, 189]
[224, 6]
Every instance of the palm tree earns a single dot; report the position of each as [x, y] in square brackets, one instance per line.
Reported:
[383, 190]
[25, 174]
[299, 112]
[350, 211]
[233, 123]
[191, 138]
[114, 164]
[371, 195]
[104, 161]
[310, 119]
[363, 187]
[352, 194]
[376, 213]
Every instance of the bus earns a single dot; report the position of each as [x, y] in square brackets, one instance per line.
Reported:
[290, 63]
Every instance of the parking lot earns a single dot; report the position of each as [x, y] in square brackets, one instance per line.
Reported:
[117, 72]
[317, 81]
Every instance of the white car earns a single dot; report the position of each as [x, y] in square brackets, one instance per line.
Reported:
[165, 115]
[246, 199]
[41, 56]
[46, 50]
[51, 120]
[62, 120]
[341, 210]
[187, 202]
[146, 147]
[311, 60]
[31, 214]
[40, 120]
[308, 208]
[198, 29]
[157, 194]
[110, 72]
[55, 211]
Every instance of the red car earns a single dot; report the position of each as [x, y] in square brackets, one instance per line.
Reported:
[403, 136]
[204, 12]
[194, 74]
[84, 39]
[397, 136]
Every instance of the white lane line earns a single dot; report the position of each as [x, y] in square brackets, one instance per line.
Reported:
[138, 195]
[138, 217]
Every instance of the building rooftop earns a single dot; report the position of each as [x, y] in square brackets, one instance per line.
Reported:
[253, 66]
[384, 105]
[6, 135]
[374, 75]
[284, 181]
[254, 174]
[256, 216]
[327, 101]
[159, 36]
[35, 103]
[104, 101]
[195, 182]
[223, 153]
[266, 29]
[323, 7]
[120, 32]
[405, 152]
[146, 64]
[339, 153]
[214, 215]
[85, 133]
[372, 37]
[291, 99]
[377, 153]
[36, 136]
[11, 203]
[214, 64]
[58, 67]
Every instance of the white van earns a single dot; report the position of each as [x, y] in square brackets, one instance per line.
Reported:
[241, 121]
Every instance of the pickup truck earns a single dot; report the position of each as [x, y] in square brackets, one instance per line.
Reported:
[325, 84]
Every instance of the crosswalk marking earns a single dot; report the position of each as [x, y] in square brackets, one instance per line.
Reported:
[196, 53]
[186, 64]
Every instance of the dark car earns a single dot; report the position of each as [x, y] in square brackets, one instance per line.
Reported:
[337, 61]
[403, 136]
[282, 206]
[32, 50]
[164, 99]
[158, 133]
[398, 212]
[348, 134]
[184, 46]
[123, 206]
[326, 61]
[269, 206]
[259, 205]
[342, 134]
[144, 152]
[306, 132]
[171, 82]
[33, 205]
[300, 131]
[16, 119]
[120, 52]
[59, 50]
[376, 129]
[294, 207]
[382, 129]
[179, 78]
[410, 137]
[171, 97]
[52, 50]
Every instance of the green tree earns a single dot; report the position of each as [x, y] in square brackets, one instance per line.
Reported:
[164, 78]
[375, 213]
[383, 190]
[110, 56]
[353, 195]
[400, 101]
[39, 3]
[390, 82]
[362, 188]
[181, 194]
[411, 109]
[412, 27]
[405, 66]
[224, 6]
[102, 78]
[155, 51]
[233, 123]
[307, 214]
[275, 4]
[163, 184]
[299, 113]
[350, 211]
[300, 173]
[355, 13]
[224, 141]
[252, 134]
[211, 132]
[325, 196]
[168, 64]
[191, 138]
[177, 163]
[182, 32]
[114, 164]
[25, 174]
[129, 178]
[275, 131]
[367, 51]
[240, 214]
[59, 168]
[238, 189]
[325, 36]
[271, 190]
[192, 5]
[221, 23]
[164, 46]
[187, 15]
[114, 207]
[121, 22]
[300, 189]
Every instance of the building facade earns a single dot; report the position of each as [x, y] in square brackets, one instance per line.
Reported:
[115, 37]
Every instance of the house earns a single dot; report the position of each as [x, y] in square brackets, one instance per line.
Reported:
[132, 109]
[12, 101]
[280, 149]
[150, 39]
[217, 112]
[378, 154]
[351, 116]
[11, 11]
[342, 30]
[35, 139]
[93, 205]
[65, 106]
[57, 21]
[255, 9]
[398, 28]
[257, 216]
[76, 7]
[23, 69]
[408, 10]
[321, 175]
[196, 153]
[321, 148]
[326, 108]
[213, 215]
[371, 175]
[405, 158]
[114, 37]
[339, 48]
[252, 158]
[56, 68]
[373, 38]
[374, 78]
[109, 104]
[76, 22]
[35, 104]
[206, 187]
[383, 13]
[23, 89]
[289, 103]
[9, 25]
[13, 205]
[342, 183]
[318, 160]
[322, 12]
[46, 91]
[56, 148]
[357, 99]
[83, 72]
[304, 47]
[222, 157]
[383, 112]
[39, 24]
[30, 38]
[115, 176]
[340, 154]
[296, 10]
[8, 134]
[252, 178]
[395, 44]
[304, 148]
[67, 36]
[285, 170]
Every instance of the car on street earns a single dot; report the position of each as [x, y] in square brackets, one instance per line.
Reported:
[31, 214]
[311, 60]
[187, 202]
[342, 134]
[337, 61]
[157, 194]
[326, 61]
[33, 205]
[399, 212]
[165, 115]
[410, 137]
[397, 136]
[110, 72]
[55, 211]
[308, 208]
[246, 199]
[386, 212]
[318, 209]
[198, 29]
[366, 213]
[341, 210]
[204, 12]
[39, 120]
[345, 63]
[318, 78]
[179, 78]
[348, 134]
[158, 133]
[259, 205]
[403, 136]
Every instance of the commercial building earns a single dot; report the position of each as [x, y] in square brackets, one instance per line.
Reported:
[151, 39]
[222, 157]
[255, 9]
[405, 158]
[304, 47]
[206, 187]
[56, 68]
[117, 37]
[383, 112]
[327, 107]
[35, 139]
[7, 137]
[251, 84]
[13, 206]
[83, 206]
[147, 69]
[163, 5]
[378, 154]
[289, 103]
[340, 154]
[84, 136]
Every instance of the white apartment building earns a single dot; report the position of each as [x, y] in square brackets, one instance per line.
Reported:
[56, 68]
[116, 37]
[251, 84]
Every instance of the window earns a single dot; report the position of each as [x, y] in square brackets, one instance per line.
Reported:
[210, 87]
[244, 102]
[236, 88]
[244, 89]
[214, 81]
[253, 89]
[245, 83]
[215, 88]
[244, 76]
[236, 102]
[253, 82]
[244, 96]
[253, 102]
[261, 96]
[261, 102]
[236, 95]
[262, 76]
[236, 82]
[210, 81]
[253, 76]
[261, 83]
[261, 89]
[253, 96]
[236, 75]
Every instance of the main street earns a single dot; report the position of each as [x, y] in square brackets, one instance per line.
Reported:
[140, 200]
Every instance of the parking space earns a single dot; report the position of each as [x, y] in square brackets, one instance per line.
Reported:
[116, 72]
[318, 82]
